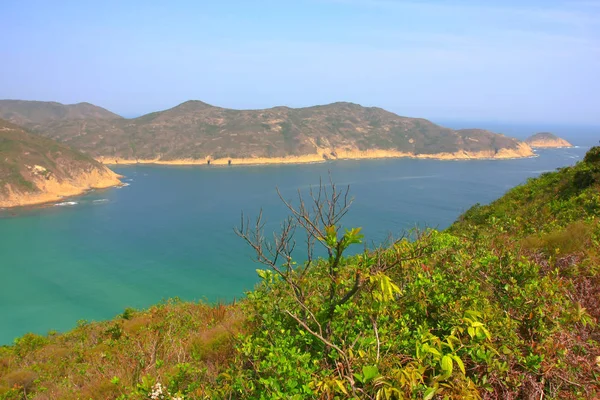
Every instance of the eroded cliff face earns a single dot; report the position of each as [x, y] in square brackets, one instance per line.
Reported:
[550, 143]
[51, 189]
[324, 154]
[36, 170]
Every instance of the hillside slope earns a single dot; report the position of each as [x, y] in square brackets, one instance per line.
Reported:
[546, 139]
[36, 170]
[196, 132]
[503, 305]
[34, 113]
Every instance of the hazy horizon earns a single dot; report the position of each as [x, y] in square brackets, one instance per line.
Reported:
[519, 62]
[445, 121]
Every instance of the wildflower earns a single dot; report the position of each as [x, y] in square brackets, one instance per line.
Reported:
[157, 392]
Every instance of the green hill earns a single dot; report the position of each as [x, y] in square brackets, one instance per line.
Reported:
[35, 170]
[197, 132]
[35, 113]
[503, 304]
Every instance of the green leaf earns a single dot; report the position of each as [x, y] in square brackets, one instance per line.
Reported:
[340, 385]
[263, 274]
[370, 372]
[429, 393]
[331, 235]
[387, 288]
[447, 364]
[471, 331]
[427, 348]
[353, 236]
[460, 363]
[486, 333]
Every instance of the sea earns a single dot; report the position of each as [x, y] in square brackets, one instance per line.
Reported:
[169, 232]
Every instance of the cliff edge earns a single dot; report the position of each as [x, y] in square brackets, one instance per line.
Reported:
[35, 170]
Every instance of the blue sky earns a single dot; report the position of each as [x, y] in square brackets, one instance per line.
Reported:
[513, 61]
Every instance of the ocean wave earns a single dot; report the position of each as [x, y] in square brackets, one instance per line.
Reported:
[100, 201]
[66, 203]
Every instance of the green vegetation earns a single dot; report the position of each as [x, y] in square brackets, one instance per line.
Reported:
[24, 112]
[503, 304]
[26, 159]
[197, 130]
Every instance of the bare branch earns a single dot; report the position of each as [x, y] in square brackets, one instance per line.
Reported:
[376, 337]
[329, 344]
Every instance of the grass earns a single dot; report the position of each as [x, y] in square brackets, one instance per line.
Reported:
[183, 345]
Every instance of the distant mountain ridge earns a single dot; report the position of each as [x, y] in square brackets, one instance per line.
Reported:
[197, 132]
[36, 170]
[32, 113]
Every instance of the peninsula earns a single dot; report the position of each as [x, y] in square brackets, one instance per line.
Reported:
[198, 133]
[546, 140]
[35, 170]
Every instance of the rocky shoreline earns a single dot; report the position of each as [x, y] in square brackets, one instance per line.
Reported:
[522, 151]
[52, 190]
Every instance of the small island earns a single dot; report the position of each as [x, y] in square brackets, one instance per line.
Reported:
[546, 140]
[36, 170]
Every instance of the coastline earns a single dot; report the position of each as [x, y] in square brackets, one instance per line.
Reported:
[522, 151]
[51, 190]
[552, 145]
[547, 142]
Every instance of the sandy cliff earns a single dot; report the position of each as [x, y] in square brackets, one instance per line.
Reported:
[36, 170]
[324, 154]
[51, 189]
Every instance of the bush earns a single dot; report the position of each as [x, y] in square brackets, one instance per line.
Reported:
[22, 379]
[574, 238]
[584, 178]
[592, 156]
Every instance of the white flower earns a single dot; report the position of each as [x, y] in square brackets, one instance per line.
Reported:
[157, 392]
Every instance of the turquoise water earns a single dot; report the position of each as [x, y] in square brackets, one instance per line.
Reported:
[170, 232]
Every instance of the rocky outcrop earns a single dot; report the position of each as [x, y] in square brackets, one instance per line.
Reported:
[547, 140]
[51, 189]
[35, 170]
